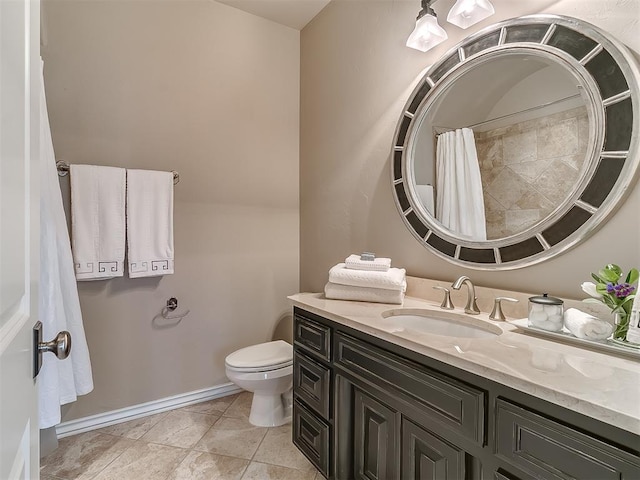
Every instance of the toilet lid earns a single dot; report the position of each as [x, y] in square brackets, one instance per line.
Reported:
[278, 353]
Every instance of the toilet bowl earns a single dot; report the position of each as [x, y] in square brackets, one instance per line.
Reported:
[266, 370]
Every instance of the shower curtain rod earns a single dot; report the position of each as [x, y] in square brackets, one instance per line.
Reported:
[63, 171]
[537, 107]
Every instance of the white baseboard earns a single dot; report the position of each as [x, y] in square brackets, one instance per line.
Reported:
[121, 415]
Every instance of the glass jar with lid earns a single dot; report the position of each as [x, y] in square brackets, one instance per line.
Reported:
[546, 313]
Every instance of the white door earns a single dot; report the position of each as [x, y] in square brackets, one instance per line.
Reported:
[19, 254]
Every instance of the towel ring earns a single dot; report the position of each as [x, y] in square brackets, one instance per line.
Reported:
[172, 305]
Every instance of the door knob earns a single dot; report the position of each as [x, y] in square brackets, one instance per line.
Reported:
[59, 346]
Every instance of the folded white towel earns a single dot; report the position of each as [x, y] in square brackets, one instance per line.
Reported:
[585, 326]
[363, 294]
[381, 264]
[392, 279]
[149, 223]
[97, 221]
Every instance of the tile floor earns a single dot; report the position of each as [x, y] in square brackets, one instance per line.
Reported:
[211, 440]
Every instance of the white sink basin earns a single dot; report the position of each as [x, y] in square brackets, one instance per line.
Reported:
[445, 324]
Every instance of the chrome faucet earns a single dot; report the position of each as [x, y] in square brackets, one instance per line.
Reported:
[471, 307]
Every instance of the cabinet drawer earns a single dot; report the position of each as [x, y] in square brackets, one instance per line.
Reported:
[453, 404]
[312, 336]
[311, 436]
[312, 383]
[546, 449]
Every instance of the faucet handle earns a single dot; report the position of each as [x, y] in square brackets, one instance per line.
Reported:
[497, 313]
[447, 304]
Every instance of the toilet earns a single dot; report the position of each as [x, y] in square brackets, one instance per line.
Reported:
[266, 370]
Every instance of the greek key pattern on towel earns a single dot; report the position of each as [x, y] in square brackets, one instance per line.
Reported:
[103, 266]
[87, 268]
[156, 266]
[84, 267]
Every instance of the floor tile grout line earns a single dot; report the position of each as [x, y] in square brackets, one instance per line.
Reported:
[117, 456]
[218, 417]
[260, 444]
[179, 463]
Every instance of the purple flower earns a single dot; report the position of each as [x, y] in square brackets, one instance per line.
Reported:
[620, 290]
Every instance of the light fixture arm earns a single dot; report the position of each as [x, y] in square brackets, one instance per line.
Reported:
[426, 9]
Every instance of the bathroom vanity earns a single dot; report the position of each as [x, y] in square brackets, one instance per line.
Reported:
[382, 403]
[382, 399]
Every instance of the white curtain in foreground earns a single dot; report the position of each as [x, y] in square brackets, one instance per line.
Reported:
[459, 201]
[59, 381]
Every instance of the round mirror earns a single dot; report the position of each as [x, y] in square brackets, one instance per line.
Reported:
[518, 143]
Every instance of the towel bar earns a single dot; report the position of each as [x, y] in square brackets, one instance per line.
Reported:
[63, 171]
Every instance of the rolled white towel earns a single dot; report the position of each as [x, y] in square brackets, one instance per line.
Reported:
[585, 326]
[363, 294]
[392, 279]
[353, 262]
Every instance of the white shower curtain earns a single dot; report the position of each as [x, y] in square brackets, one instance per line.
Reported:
[59, 381]
[459, 200]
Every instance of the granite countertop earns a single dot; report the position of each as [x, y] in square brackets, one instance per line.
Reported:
[603, 386]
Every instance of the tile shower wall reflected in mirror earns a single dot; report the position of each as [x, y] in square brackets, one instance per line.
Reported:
[529, 168]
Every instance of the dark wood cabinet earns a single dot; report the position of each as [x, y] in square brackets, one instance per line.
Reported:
[455, 405]
[375, 442]
[312, 336]
[387, 444]
[312, 383]
[547, 449]
[311, 436]
[425, 456]
[368, 409]
[312, 391]
[503, 475]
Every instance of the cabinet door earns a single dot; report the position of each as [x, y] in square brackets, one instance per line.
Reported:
[426, 457]
[375, 439]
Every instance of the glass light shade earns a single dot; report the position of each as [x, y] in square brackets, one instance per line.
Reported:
[469, 12]
[427, 34]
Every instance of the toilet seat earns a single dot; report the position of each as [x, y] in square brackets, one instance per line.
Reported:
[263, 357]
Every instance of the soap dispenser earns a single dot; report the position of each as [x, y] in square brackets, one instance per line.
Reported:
[546, 313]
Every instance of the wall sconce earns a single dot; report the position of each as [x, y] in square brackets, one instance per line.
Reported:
[469, 12]
[464, 13]
[427, 33]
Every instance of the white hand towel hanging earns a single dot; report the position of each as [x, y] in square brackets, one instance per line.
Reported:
[59, 381]
[97, 221]
[149, 223]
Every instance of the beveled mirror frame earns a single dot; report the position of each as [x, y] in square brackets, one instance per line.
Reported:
[609, 74]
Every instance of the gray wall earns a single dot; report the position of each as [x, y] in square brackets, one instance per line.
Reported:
[356, 75]
[212, 92]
